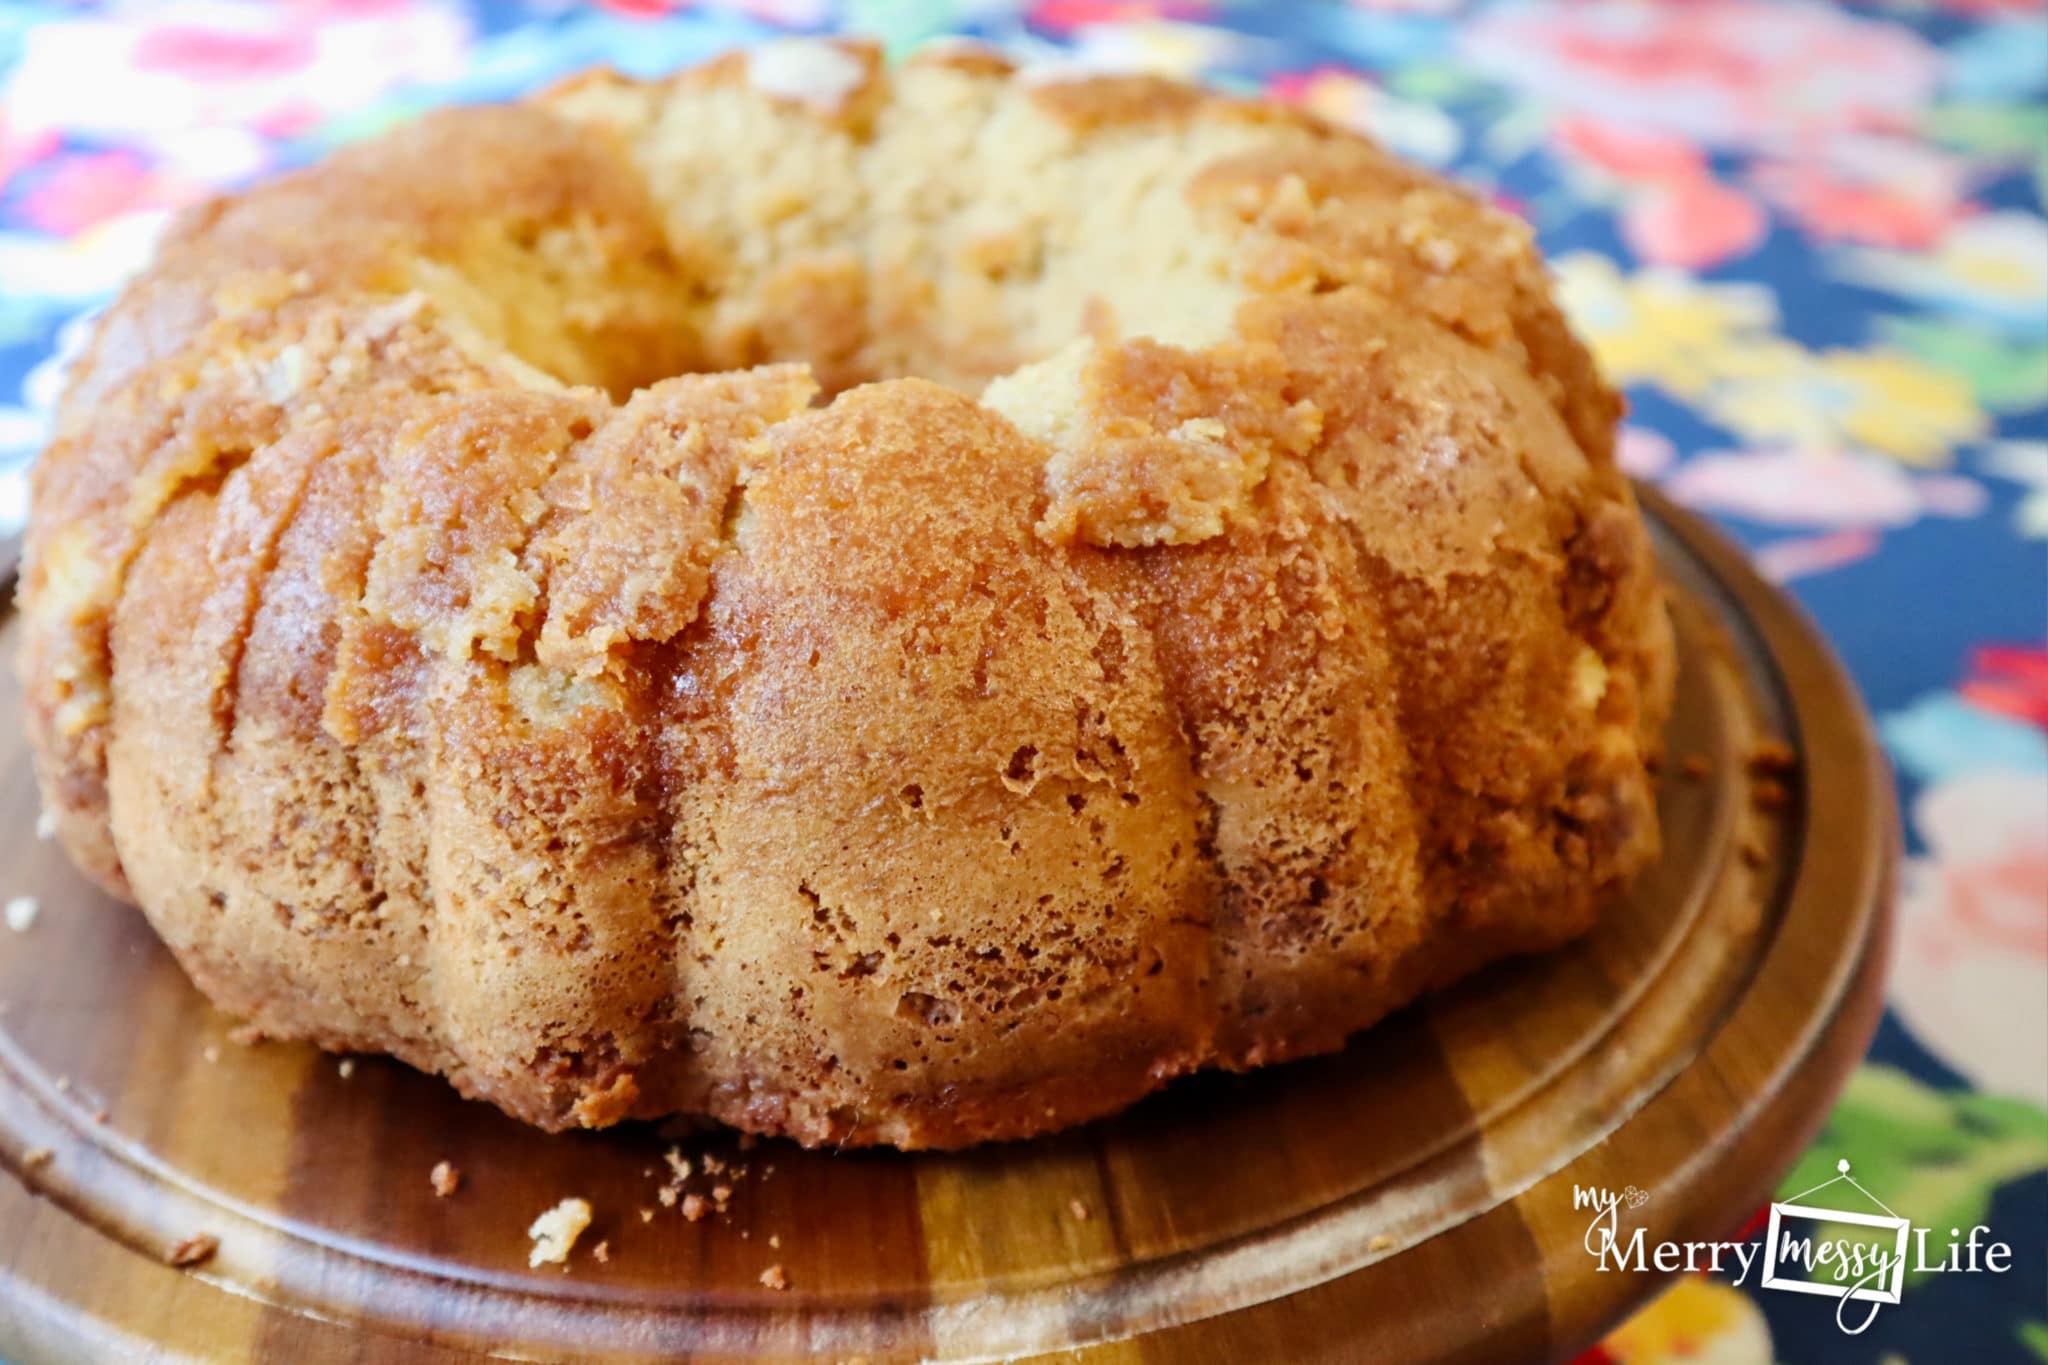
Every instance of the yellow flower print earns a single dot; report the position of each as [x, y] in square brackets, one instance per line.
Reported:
[1877, 400]
[1990, 268]
[1717, 348]
[1697, 1321]
[1662, 327]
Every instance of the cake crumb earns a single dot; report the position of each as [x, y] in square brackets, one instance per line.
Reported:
[345, 1068]
[21, 913]
[601, 1253]
[605, 1107]
[245, 1035]
[677, 1163]
[647, 1215]
[196, 1250]
[775, 1241]
[667, 1195]
[46, 825]
[36, 1157]
[554, 1233]
[774, 1277]
[211, 1052]
[1379, 1241]
[695, 1206]
[445, 1179]
[1078, 1209]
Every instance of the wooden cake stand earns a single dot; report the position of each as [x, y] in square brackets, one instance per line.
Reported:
[1408, 1199]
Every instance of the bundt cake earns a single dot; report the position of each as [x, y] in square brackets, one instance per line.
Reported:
[877, 605]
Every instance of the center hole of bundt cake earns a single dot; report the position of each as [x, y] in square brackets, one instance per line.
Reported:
[960, 226]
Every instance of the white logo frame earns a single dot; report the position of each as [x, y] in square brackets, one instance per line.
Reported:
[1890, 1294]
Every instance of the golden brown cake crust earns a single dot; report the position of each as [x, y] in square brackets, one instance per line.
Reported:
[503, 599]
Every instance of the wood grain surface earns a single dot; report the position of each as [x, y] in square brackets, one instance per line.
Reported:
[1407, 1199]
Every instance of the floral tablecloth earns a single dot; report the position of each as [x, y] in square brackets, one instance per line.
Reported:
[1809, 237]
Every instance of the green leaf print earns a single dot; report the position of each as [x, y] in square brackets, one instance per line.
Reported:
[2005, 376]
